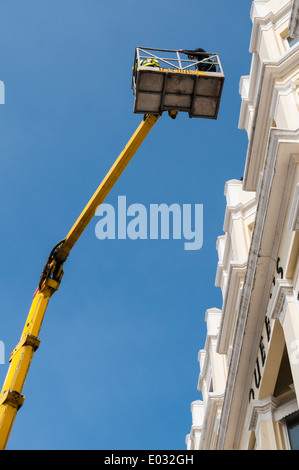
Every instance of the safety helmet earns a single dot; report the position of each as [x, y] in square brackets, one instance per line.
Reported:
[150, 62]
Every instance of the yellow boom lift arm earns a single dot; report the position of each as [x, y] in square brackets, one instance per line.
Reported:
[173, 87]
[11, 398]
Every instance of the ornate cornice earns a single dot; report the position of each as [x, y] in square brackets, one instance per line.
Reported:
[277, 305]
[261, 410]
[211, 421]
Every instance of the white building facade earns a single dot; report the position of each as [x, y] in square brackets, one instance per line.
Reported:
[249, 366]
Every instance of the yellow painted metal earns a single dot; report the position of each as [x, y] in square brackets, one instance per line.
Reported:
[11, 398]
[7, 418]
[106, 185]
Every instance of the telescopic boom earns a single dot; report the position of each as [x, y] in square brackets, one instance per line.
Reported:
[11, 398]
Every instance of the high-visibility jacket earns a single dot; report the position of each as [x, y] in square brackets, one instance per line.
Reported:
[150, 62]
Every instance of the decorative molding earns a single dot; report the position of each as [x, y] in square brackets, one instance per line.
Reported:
[264, 102]
[212, 318]
[277, 305]
[211, 421]
[261, 410]
[264, 18]
[231, 301]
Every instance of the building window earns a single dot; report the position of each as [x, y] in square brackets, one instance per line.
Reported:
[292, 41]
[292, 422]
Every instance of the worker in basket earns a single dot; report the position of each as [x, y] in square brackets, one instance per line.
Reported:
[205, 64]
[150, 62]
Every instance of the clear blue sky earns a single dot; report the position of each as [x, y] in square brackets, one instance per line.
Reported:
[117, 365]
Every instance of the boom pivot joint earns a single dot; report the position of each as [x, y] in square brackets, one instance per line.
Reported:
[52, 272]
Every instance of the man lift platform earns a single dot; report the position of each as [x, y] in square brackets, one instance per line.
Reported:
[174, 88]
[164, 80]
